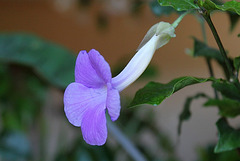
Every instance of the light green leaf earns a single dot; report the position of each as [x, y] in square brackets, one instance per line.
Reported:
[154, 93]
[229, 138]
[186, 113]
[51, 61]
[227, 107]
[179, 5]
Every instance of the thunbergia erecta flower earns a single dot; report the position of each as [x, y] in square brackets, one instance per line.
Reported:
[95, 91]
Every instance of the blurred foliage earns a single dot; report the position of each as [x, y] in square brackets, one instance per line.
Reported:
[133, 122]
[137, 6]
[14, 146]
[207, 154]
[22, 96]
[28, 65]
[80, 151]
[186, 113]
[51, 61]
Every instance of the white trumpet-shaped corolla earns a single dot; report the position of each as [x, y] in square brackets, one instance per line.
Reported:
[156, 37]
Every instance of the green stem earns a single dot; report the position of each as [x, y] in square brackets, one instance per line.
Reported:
[208, 61]
[179, 19]
[230, 69]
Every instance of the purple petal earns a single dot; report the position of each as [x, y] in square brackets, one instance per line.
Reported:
[94, 125]
[101, 67]
[91, 69]
[113, 103]
[78, 98]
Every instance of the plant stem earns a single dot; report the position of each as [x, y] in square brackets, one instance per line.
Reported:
[206, 16]
[208, 61]
[125, 142]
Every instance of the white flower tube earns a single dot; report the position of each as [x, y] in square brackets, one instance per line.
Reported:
[156, 37]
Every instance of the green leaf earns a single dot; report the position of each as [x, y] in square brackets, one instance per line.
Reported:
[203, 50]
[186, 113]
[227, 107]
[207, 154]
[227, 89]
[179, 5]
[229, 138]
[161, 10]
[236, 63]
[183, 5]
[51, 61]
[234, 18]
[154, 93]
[232, 6]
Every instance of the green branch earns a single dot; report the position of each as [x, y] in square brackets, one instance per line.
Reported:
[230, 69]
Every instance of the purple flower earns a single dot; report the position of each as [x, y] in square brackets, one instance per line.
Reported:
[86, 100]
[95, 91]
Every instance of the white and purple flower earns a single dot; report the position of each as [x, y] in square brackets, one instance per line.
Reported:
[95, 91]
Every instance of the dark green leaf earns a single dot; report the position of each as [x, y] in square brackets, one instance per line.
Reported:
[207, 154]
[227, 89]
[233, 20]
[51, 61]
[236, 63]
[154, 93]
[202, 49]
[179, 5]
[227, 107]
[186, 113]
[208, 5]
[229, 138]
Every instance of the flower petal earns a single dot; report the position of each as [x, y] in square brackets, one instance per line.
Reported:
[87, 72]
[100, 65]
[78, 98]
[113, 103]
[94, 125]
